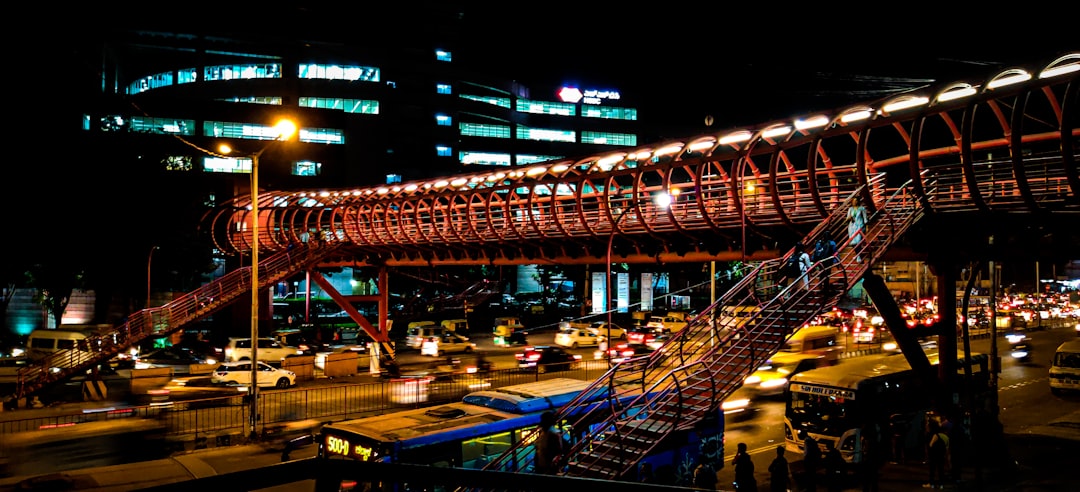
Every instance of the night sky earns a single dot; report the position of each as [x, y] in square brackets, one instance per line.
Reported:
[748, 63]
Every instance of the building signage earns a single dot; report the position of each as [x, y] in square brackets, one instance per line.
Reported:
[599, 297]
[623, 282]
[646, 292]
[574, 95]
[593, 96]
[823, 391]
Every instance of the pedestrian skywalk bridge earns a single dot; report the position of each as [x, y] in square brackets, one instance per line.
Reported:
[687, 379]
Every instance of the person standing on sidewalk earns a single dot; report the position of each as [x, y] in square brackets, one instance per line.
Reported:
[744, 470]
[834, 468]
[937, 455]
[811, 464]
[779, 472]
[870, 459]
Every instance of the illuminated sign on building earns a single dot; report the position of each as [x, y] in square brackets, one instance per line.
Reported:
[589, 96]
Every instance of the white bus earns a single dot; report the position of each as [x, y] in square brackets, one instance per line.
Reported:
[834, 403]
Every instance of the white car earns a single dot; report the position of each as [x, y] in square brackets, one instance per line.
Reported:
[447, 343]
[239, 373]
[269, 349]
[576, 337]
[600, 328]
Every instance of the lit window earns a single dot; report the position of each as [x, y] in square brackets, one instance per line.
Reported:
[608, 138]
[485, 158]
[609, 113]
[249, 71]
[531, 158]
[545, 107]
[443, 89]
[542, 134]
[322, 135]
[353, 106]
[502, 102]
[443, 120]
[339, 72]
[443, 55]
[482, 130]
[307, 168]
[443, 151]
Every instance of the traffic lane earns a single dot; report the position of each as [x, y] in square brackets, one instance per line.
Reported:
[1023, 394]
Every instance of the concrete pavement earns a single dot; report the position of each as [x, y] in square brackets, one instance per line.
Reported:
[1044, 459]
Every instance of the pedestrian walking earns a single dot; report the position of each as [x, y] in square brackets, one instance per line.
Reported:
[704, 476]
[937, 455]
[744, 470]
[834, 468]
[645, 473]
[869, 460]
[856, 227]
[779, 472]
[549, 445]
[825, 256]
[811, 464]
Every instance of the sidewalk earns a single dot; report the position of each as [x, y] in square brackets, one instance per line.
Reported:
[1043, 459]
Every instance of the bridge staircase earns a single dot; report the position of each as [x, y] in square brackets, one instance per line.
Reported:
[164, 320]
[645, 399]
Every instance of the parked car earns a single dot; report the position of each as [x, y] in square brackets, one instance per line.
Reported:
[269, 349]
[576, 337]
[239, 373]
[447, 343]
[545, 358]
[176, 358]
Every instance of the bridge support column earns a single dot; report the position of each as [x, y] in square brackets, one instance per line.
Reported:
[879, 293]
[947, 275]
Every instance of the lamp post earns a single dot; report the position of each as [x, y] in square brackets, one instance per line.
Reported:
[149, 259]
[283, 130]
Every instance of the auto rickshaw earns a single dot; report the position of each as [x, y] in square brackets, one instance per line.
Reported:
[509, 335]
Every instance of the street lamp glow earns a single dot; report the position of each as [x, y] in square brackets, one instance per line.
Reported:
[282, 130]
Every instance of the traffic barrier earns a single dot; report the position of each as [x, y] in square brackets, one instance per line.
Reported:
[343, 364]
[302, 365]
[94, 390]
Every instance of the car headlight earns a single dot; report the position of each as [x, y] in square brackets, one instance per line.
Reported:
[773, 383]
[735, 405]
[752, 379]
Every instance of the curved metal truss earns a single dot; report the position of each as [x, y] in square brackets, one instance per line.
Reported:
[729, 192]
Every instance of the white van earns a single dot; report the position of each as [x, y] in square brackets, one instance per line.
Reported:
[43, 342]
[419, 331]
[1065, 368]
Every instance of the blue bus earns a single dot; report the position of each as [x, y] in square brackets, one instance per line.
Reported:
[485, 424]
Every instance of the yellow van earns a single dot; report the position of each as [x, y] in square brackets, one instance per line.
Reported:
[818, 340]
[1065, 368]
[455, 325]
[732, 317]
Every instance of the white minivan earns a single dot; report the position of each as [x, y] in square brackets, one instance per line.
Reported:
[1065, 368]
[44, 342]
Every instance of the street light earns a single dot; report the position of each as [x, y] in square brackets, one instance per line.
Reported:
[661, 200]
[149, 258]
[283, 130]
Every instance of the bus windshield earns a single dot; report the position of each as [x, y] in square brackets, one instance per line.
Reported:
[819, 410]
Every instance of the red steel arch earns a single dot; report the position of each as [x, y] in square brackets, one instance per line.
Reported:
[968, 146]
